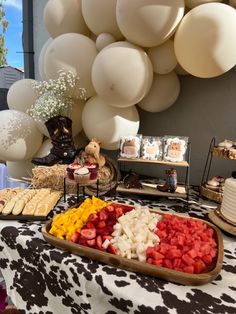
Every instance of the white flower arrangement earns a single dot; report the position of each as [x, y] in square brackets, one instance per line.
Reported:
[55, 96]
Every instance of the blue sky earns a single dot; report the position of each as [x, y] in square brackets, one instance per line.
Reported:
[13, 37]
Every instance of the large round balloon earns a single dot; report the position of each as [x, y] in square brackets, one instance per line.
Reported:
[149, 23]
[19, 169]
[122, 74]
[108, 123]
[193, 3]
[74, 52]
[100, 16]
[44, 149]
[75, 115]
[21, 95]
[62, 17]
[19, 137]
[205, 42]
[163, 57]
[163, 93]
[41, 58]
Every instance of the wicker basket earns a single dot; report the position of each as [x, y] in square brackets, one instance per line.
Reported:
[211, 195]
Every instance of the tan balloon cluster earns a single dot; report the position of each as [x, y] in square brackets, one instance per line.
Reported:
[124, 53]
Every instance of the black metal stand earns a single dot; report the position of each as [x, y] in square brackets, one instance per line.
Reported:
[78, 186]
[207, 167]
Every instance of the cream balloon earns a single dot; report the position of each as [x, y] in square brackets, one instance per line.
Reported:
[122, 74]
[75, 115]
[44, 149]
[41, 58]
[62, 17]
[108, 123]
[163, 93]
[193, 3]
[19, 169]
[232, 3]
[74, 52]
[104, 40]
[21, 95]
[163, 57]
[100, 16]
[149, 23]
[19, 137]
[205, 42]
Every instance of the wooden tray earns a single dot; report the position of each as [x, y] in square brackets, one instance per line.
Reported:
[217, 218]
[139, 267]
[211, 195]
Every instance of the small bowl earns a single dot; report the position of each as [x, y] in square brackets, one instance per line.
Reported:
[70, 170]
[93, 169]
[82, 175]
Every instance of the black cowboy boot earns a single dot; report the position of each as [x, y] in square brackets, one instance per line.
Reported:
[63, 148]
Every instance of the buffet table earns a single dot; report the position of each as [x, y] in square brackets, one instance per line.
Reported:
[42, 279]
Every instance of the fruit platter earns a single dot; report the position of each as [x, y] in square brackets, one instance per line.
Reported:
[169, 246]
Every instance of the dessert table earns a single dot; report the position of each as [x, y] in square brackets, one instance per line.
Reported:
[42, 279]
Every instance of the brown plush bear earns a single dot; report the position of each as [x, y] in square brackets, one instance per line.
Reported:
[92, 154]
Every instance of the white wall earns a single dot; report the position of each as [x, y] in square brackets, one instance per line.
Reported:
[205, 108]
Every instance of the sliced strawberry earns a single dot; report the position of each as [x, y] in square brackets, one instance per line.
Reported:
[110, 208]
[102, 215]
[106, 237]
[111, 249]
[75, 237]
[149, 260]
[101, 224]
[99, 242]
[89, 225]
[119, 211]
[91, 242]
[88, 233]
[103, 231]
[93, 217]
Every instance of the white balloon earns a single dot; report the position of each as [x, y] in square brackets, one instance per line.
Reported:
[19, 137]
[21, 95]
[62, 17]
[72, 52]
[205, 42]
[41, 58]
[149, 23]
[163, 57]
[108, 123]
[163, 93]
[122, 74]
[75, 115]
[19, 169]
[44, 149]
[193, 3]
[104, 40]
[100, 16]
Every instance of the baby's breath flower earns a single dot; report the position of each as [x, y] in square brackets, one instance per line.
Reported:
[55, 96]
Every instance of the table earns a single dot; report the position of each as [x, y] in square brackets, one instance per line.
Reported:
[42, 279]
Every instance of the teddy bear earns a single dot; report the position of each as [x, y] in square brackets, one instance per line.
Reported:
[91, 153]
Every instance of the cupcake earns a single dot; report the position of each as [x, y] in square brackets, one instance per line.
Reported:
[82, 175]
[70, 170]
[93, 171]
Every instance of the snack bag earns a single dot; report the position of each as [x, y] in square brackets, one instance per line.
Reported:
[175, 148]
[130, 146]
[151, 148]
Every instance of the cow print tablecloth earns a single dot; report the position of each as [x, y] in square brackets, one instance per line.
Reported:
[42, 279]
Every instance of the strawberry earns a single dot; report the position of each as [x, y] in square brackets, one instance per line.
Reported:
[101, 224]
[93, 217]
[91, 242]
[89, 225]
[106, 237]
[111, 249]
[75, 237]
[102, 215]
[119, 211]
[110, 208]
[103, 231]
[88, 233]
[99, 242]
